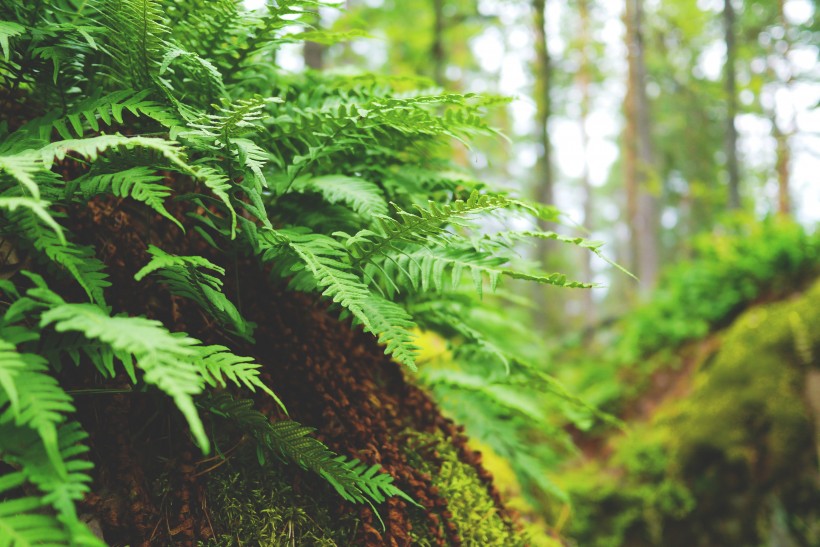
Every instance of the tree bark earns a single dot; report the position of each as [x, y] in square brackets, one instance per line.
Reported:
[731, 105]
[437, 48]
[585, 81]
[642, 204]
[314, 53]
[544, 192]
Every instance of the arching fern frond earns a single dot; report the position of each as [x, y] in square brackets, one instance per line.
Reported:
[22, 521]
[444, 267]
[94, 112]
[139, 183]
[293, 442]
[62, 488]
[362, 196]
[217, 363]
[166, 359]
[186, 276]
[426, 227]
[41, 405]
[323, 265]
[78, 261]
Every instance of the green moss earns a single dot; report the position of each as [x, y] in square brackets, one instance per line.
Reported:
[730, 463]
[473, 510]
[252, 505]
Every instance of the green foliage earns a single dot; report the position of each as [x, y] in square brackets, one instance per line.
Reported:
[727, 273]
[149, 101]
[730, 463]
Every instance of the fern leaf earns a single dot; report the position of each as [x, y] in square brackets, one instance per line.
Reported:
[293, 442]
[363, 197]
[9, 29]
[11, 365]
[165, 358]
[38, 208]
[106, 109]
[22, 522]
[92, 147]
[62, 489]
[78, 261]
[41, 406]
[217, 363]
[323, 258]
[22, 167]
[424, 227]
[138, 183]
[185, 277]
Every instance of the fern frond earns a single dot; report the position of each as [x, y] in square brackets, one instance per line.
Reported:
[593, 246]
[444, 267]
[22, 167]
[96, 111]
[185, 277]
[39, 208]
[166, 359]
[79, 261]
[216, 363]
[41, 406]
[62, 488]
[9, 29]
[22, 521]
[11, 365]
[425, 227]
[293, 442]
[92, 147]
[137, 38]
[323, 259]
[362, 196]
[138, 183]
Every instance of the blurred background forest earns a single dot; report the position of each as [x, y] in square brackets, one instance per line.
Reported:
[684, 135]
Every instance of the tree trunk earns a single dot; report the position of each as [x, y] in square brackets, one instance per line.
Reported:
[543, 167]
[584, 81]
[731, 106]
[642, 204]
[783, 136]
[437, 49]
[314, 53]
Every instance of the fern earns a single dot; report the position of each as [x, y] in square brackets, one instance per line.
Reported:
[185, 277]
[78, 261]
[293, 442]
[360, 195]
[94, 112]
[62, 487]
[138, 183]
[166, 359]
[322, 266]
[21, 519]
[428, 226]
[334, 183]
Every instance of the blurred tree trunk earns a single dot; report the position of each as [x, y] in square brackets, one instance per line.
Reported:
[783, 136]
[642, 205]
[731, 105]
[437, 49]
[312, 52]
[585, 80]
[543, 167]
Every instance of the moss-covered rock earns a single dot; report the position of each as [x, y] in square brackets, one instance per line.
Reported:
[733, 462]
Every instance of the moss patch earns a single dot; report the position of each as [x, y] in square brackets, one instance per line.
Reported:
[732, 462]
[253, 505]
